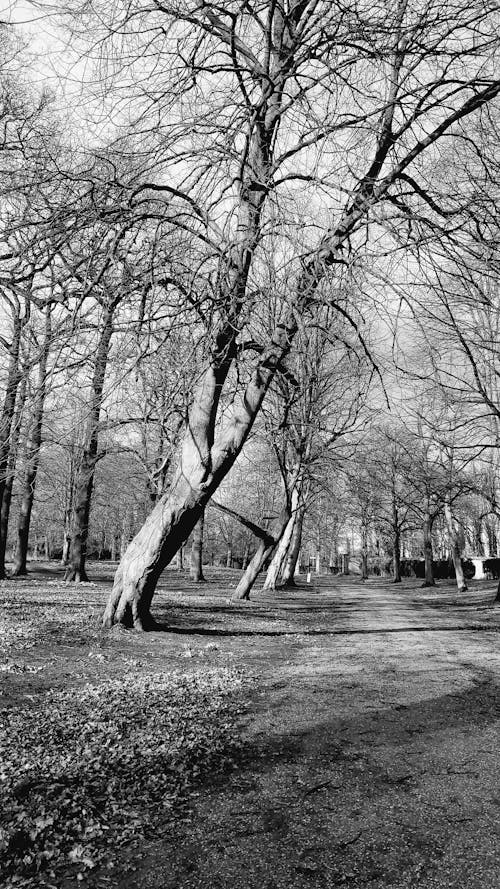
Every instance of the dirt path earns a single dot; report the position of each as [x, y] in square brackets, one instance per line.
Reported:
[371, 734]
[371, 756]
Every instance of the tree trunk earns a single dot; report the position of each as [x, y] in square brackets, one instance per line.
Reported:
[196, 568]
[76, 570]
[429, 574]
[33, 454]
[252, 570]
[6, 420]
[180, 558]
[204, 463]
[396, 542]
[364, 551]
[202, 467]
[396, 557]
[229, 558]
[456, 548]
[11, 468]
[280, 556]
[246, 555]
[288, 578]
[66, 549]
[267, 544]
[125, 534]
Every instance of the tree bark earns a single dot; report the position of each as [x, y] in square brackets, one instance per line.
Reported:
[429, 574]
[180, 558]
[202, 467]
[288, 579]
[6, 420]
[455, 547]
[33, 453]
[364, 551]
[246, 555]
[76, 570]
[278, 562]
[396, 543]
[267, 543]
[11, 468]
[196, 567]
[396, 556]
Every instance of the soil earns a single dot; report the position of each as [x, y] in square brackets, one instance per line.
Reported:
[370, 734]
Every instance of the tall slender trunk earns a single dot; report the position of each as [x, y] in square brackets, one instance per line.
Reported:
[180, 558]
[85, 480]
[246, 555]
[288, 578]
[364, 550]
[68, 511]
[196, 567]
[125, 533]
[33, 453]
[427, 529]
[396, 556]
[6, 420]
[455, 547]
[396, 543]
[11, 468]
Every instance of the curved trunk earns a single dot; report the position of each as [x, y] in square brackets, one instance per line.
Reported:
[196, 567]
[253, 570]
[265, 549]
[429, 574]
[76, 570]
[201, 469]
[456, 548]
[32, 455]
[288, 578]
[280, 556]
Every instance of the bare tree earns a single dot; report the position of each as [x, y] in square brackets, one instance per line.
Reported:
[351, 104]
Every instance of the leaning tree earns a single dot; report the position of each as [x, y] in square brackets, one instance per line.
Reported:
[259, 117]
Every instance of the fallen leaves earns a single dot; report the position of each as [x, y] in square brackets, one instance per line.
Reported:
[87, 772]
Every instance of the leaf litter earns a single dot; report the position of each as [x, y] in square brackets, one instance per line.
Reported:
[88, 772]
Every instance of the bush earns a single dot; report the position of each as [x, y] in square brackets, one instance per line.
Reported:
[443, 569]
[492, 567]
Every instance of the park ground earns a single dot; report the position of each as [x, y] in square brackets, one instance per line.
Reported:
[345, 734]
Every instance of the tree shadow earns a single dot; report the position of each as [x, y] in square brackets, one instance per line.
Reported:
[334, 739]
